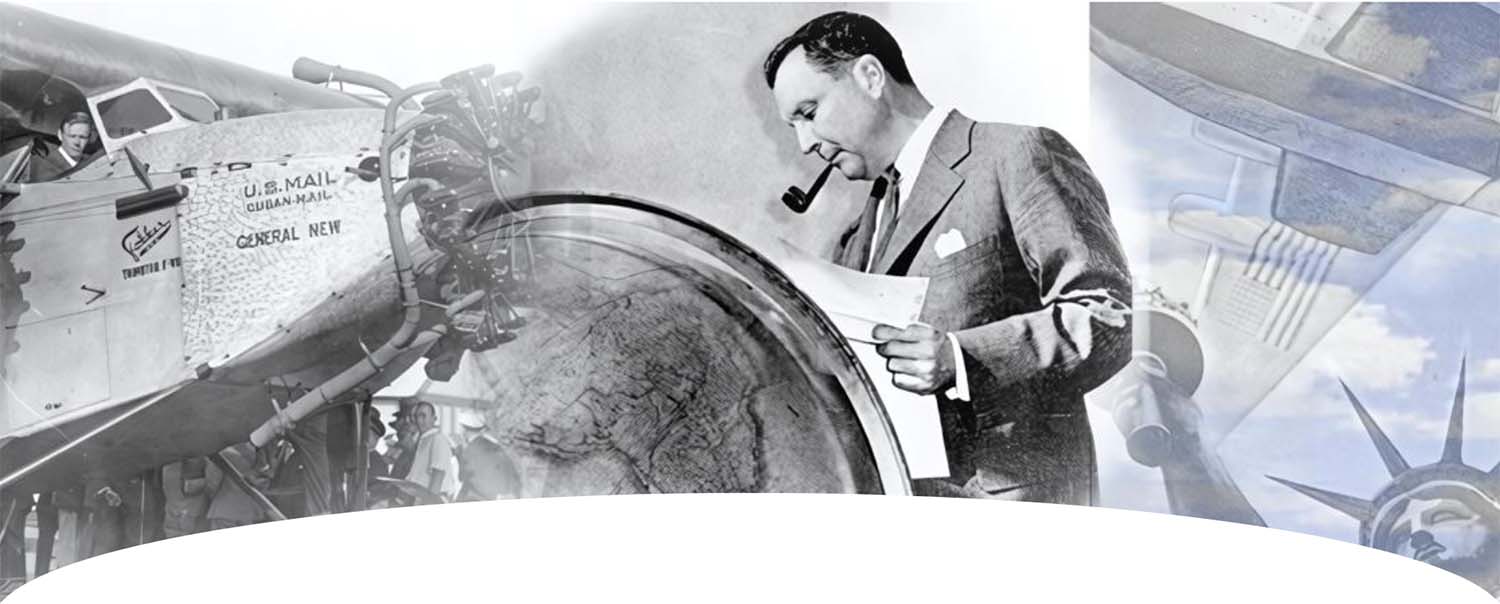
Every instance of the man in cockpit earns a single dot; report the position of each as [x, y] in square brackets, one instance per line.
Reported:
[49, 161]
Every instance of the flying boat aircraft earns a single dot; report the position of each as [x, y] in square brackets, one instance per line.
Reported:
[1353, 128]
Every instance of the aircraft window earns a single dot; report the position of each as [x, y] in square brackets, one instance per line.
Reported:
[11, 163]
[132, 112]
[191, 106]
[1451, 50]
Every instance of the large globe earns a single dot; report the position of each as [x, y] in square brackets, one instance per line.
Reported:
[662, 356]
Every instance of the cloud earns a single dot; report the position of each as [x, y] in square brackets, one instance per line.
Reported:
[1482, 415]
[1364, 351]
[1152, 170]
[1144, 151]
[1284, 508]
[1488, 369]
[1435, 256]
[1301, 455]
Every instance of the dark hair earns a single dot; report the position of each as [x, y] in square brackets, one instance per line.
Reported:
[76, 117]
[833, 40]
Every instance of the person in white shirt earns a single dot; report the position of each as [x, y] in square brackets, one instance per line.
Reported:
[433, 465]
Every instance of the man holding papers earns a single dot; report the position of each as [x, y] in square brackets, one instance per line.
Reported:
[1027, 301]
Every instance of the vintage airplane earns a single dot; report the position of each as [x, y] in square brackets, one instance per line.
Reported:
[152, 290]
[248, 250]
[1353, 128]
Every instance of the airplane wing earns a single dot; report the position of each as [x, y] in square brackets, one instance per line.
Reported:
[1342, 160]
[47, 65]
[32, 99]
[1300, 91]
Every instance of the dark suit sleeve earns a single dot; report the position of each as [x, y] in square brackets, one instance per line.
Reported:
[1081, 334]
[91, 487]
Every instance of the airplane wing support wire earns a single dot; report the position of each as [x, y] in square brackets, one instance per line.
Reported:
[144, 404]
[234, 475]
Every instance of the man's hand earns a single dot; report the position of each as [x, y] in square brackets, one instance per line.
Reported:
[110, 497]
[919, 357]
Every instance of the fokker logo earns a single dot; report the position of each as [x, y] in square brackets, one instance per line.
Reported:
[143, 237]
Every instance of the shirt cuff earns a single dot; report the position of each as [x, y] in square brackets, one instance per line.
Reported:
[960, 389]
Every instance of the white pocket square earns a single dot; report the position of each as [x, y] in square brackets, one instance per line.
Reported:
[948, 243]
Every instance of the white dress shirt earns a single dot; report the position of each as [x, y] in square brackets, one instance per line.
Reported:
[434, 452]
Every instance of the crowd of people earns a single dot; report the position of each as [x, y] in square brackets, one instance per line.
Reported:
[310, 472]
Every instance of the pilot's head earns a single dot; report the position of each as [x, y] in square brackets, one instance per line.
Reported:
[76, 131]
[837, 81]
[425, 416]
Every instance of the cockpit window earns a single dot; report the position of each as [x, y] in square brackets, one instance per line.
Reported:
[13, 161]
[191, 106]
[1451, 50]
[132, 112]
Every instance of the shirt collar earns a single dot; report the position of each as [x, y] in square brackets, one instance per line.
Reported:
[914, 152]
[432, 430]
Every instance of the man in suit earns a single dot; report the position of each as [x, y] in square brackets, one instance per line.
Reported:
[13, 511]
[48, 161]
[1027, 303]
[186, 487]
[230, 505]
[124, 511]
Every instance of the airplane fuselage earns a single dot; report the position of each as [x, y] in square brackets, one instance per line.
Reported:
[275, 268]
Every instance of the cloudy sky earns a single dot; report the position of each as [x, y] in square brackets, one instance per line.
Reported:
[1398, 349]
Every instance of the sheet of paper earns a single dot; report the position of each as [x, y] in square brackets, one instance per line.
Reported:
[852, 298]
[856, 302]
[915, 418]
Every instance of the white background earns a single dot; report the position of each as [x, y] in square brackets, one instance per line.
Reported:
[750, 548]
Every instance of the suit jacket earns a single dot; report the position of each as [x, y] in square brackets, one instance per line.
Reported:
[1037, 296]
[229, 501]
[47, 162]
[187, 488]
[137, 520]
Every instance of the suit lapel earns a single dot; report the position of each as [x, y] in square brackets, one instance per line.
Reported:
[936, 184]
